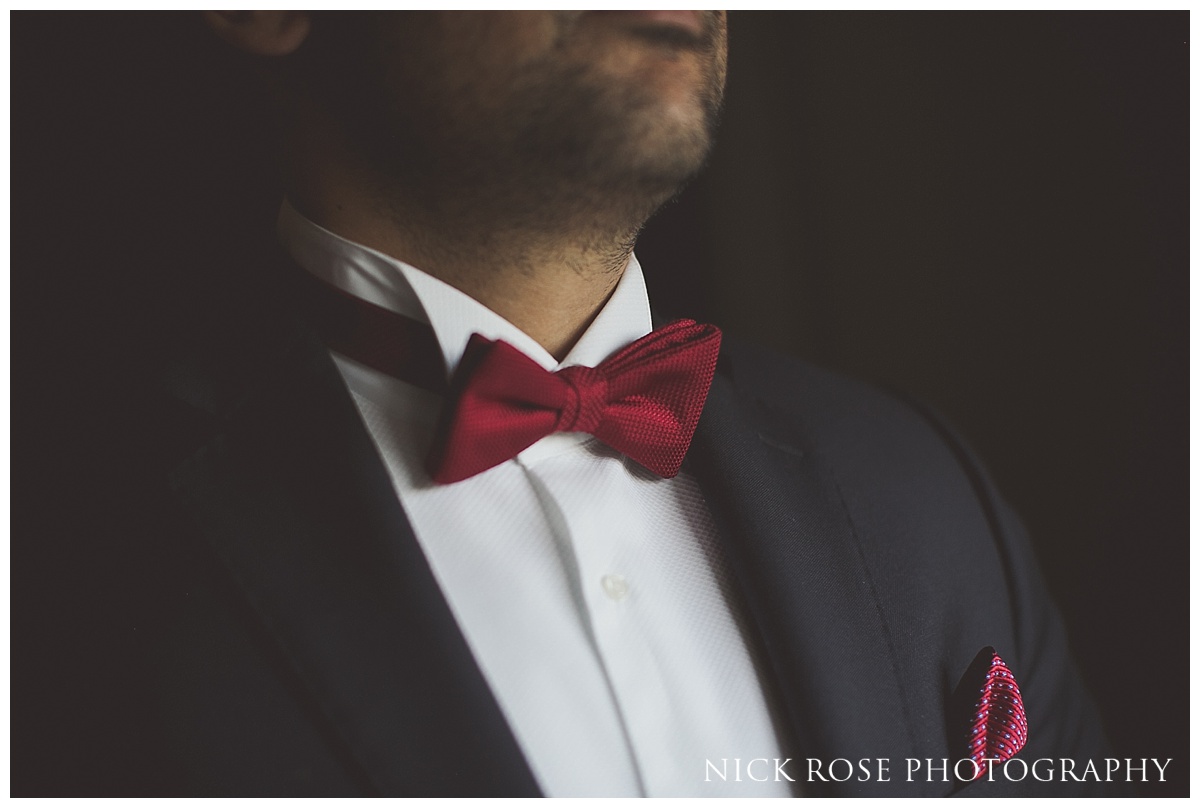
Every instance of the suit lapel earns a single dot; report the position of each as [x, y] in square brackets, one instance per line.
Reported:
[295, 501]
[800, 568]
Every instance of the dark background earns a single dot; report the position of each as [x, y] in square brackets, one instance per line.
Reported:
[986, 210]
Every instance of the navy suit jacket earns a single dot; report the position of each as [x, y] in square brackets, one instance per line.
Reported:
[295, 642]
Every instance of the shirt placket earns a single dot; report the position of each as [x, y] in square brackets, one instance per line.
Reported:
[593, 495]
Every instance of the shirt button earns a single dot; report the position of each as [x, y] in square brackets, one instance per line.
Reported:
[615, 586]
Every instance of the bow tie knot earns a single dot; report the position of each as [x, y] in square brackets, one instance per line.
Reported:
[587, 398]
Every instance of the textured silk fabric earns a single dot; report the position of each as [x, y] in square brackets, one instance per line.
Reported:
[592, 593]
[643, 401]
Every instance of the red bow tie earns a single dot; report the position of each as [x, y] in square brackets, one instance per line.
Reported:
[644, 401]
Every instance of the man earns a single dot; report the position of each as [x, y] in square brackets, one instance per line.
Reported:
[360, 604]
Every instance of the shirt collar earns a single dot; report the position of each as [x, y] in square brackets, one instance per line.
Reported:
[454, 315]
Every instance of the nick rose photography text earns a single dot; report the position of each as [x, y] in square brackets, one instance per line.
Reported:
[840, 770]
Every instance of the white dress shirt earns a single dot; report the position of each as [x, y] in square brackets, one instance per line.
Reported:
[591, 592]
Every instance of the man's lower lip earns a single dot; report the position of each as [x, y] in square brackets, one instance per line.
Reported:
[688, 20]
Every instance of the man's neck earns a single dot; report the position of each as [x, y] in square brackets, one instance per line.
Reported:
[551, 286]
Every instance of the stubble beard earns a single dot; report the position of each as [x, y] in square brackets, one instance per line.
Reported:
[566, 154]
